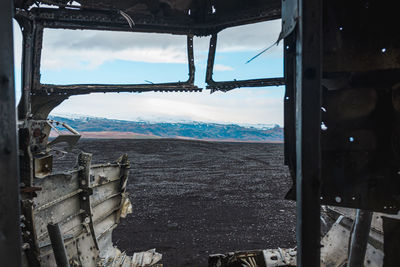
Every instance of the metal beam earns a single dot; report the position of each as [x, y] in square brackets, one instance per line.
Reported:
[359, 238]
[26, 26]
[10, 235]
[290, 109]
[57, 243]
[111, 20]
[308, 127]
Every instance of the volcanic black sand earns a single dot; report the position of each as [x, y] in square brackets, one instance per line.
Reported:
[192, 198]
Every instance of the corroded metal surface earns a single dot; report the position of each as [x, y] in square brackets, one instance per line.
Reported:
[335, 244]
[195, 16]
[258, 258]
[87, 203]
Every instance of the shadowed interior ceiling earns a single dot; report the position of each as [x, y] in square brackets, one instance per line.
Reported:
[192, 13]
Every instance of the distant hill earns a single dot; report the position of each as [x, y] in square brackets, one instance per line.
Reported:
[91, 127]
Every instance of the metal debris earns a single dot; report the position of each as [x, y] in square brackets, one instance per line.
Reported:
[257, 258]
[126, 206]
[128, 18]
[147, 258]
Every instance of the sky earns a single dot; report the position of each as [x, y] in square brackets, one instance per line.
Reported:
[76, 56]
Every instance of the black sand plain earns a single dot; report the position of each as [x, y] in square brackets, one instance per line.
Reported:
[193, 198]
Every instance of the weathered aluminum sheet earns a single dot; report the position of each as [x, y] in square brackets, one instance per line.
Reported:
[334, 249]
[257, 258]
[87, 203]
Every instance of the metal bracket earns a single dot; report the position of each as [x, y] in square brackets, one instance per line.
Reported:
[84, 161]
[70, 139]
[290, 15]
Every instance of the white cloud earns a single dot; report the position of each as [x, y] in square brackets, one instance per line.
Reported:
[238, 106]
[91, 59]
[89, 49]
[86, 50]
[17, 44]
[220, 67]
[253, 37]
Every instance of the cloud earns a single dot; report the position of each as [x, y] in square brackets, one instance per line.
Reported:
[91, 59]
[253, 37]
[247, 37]
[17, 44]
[220, 67]
[238, 106]
[77, 49]
[69, 49]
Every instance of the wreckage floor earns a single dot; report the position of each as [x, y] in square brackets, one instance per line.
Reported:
[192, 198]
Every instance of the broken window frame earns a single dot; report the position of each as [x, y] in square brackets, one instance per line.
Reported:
[229, 85]
[78, 89]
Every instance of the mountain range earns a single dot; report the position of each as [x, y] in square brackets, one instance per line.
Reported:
[92, 127]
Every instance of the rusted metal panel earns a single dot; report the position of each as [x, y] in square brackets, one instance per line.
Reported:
[56, 213]
[87, 252]
[80, 251]
[107, 250]
[106, 208]
[104, 192]
[86, 220]
[102, 174]
[56, 186]
[72, 226]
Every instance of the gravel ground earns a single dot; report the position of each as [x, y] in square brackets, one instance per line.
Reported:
[192, 198]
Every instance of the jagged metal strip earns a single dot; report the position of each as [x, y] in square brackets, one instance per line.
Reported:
[48, 89]
[229, 85]
[110, 19]
[108, 183]
[57, 200]
[45, 235]
[84, 161]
